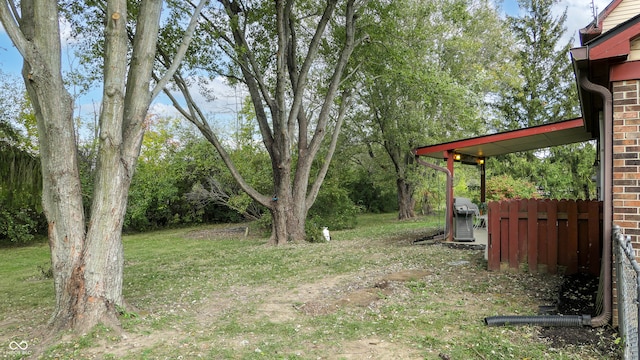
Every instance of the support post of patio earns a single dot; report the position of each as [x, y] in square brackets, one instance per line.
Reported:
[483, 184]
[449, 156]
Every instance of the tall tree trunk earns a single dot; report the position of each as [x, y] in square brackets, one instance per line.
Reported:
[288, 209]
[281, 96]
[88, 263]
[61, 192]
[406, 203]
[103, 250]
[287, 223]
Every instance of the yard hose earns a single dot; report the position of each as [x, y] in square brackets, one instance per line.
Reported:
[541, 320]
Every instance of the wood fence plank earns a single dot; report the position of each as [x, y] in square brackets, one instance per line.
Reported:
[572, 237]
[513, 235]
[523, 234]
[504, 232]
[542, 236]
[552, 237]
[532, 234]
[493, 229]
[583, 236]
[562, 233]
[546, 234]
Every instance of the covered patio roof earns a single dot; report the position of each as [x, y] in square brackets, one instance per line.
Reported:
[532, 138]
[475, 150]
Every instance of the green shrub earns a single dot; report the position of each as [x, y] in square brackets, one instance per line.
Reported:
[313, 232]
[505, 187]
[371, 196]
[19, 226]
[334, 209]
[264, 222]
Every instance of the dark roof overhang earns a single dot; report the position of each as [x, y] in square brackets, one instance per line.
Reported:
[532, 138]
[594, 61]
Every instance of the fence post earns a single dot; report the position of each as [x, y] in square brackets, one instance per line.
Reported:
[493, 229]
[572, 237]
[513, 234]
[532, 231]
[552, 237]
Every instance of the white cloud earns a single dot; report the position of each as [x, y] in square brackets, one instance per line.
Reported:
[215, 97]
[163, 110]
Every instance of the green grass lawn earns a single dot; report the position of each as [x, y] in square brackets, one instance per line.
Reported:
[212, 294]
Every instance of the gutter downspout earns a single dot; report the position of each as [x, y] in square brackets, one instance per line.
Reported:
[447, 226]
[604, 318]
[607, 192]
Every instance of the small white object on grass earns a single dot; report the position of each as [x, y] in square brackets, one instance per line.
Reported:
[325, 233]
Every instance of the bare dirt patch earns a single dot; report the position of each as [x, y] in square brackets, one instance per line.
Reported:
[357, 295]
[406, 275]
[375, 348]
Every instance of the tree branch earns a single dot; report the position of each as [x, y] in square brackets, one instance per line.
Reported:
[315, 188]
[196, 116]
[182, 50]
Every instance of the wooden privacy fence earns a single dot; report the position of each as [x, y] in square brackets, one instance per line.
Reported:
[545, 235]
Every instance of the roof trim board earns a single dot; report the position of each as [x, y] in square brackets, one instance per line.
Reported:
[625, 71]
[616, 42]
[532, 138]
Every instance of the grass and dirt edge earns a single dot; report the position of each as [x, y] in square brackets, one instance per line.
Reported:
[228, 296]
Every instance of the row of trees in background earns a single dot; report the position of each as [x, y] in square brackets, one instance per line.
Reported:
[545, 92]
[182, 180]
[373, 79]
[396, 106]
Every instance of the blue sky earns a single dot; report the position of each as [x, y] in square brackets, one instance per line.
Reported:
[579, 14]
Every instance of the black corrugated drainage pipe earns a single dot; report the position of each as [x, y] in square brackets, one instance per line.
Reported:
[447, 230]
[542, 320]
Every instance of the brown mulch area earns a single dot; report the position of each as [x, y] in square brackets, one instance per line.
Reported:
[577, 296]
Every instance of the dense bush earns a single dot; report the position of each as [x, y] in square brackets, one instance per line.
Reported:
[333, 208]
[313, 232]
[20, 225]
[505, 187]
[370, 196]
[171, 163]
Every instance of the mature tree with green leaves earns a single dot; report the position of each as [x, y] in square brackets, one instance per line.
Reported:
[546, 93]
[424, 78]
[87, 256]
[292, 58]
